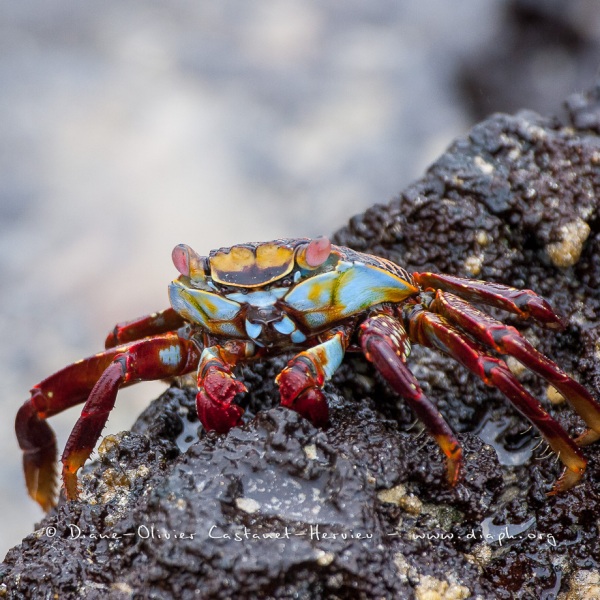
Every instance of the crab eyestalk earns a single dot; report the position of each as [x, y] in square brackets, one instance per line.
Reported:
[314, 254]
[188, 262]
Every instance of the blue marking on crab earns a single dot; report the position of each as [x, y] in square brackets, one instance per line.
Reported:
[259, 298]
[227, 329]
[171, 356]
[334, 352]
[315, 293]
[298, 337]
[348, 290]
[253, 329]
[285, 326]
[202, 307]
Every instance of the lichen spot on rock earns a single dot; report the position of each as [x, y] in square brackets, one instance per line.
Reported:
[484, 166]
[566, 252]
[247, 505]
[473, 264]
[311, 451]
[399, 496]
[430, 588]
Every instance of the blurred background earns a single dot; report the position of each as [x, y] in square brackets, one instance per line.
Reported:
[129, 127]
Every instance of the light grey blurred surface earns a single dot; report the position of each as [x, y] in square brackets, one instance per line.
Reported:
[129, 127]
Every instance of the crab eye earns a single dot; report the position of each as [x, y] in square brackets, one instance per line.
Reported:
[181, 259]
[315, 253]
[187, 262]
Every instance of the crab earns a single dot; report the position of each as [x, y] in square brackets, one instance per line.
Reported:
[318, 300]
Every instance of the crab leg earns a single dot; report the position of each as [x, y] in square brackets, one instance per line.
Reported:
[98, 379]
[301, 382]
[523, 303]
[385, 343]
[217, 386]
[38, 442]
[433, 330]
[149, 325]
[65, 388]
[507, 340]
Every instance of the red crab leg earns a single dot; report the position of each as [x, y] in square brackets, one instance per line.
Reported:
[38, 443]
[65, 388]
[301, 382]
[217, 386]
[507, 340]
[96, 379]
[524, 303]
[385, 343]
[433, 330]
[148, 325]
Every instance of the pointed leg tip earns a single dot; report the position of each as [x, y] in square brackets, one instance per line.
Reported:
[589, 436]
[71, 485]
[46, 500]
[45, 493]
[534, 306]
[454, 461]
[454, 469]
[41, 478]
[72, 461]
[566, 481]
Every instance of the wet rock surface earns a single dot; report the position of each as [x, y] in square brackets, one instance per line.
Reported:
[278, 508]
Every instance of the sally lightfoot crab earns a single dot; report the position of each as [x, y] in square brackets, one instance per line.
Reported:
[262, 299]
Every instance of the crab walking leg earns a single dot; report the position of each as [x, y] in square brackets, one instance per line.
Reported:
[65, 388]
[430, 329]
[302, 380]
[38, 442]
[385, 343]
[217, 386]
[523, 303]
[155, 324]
[98, 379]
[154, 358]
[507, 340]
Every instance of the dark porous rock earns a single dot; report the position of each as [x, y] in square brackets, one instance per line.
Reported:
[278, 508]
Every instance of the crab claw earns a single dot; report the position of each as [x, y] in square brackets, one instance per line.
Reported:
[214, 401]
[300, 390]
[312, 405]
